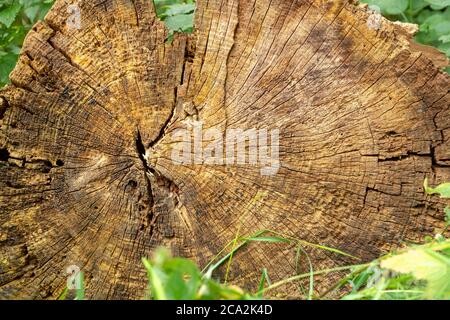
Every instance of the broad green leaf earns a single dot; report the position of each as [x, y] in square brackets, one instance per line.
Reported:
[155, 278]
[9, 13]
[446, 13]
[390, 7]
[183, 22]
[424, 15]
[7, 62]
[447, 215]
[183, 279]
[442, 28]
[180, 8]
[445, 39]
[424, 264]
[180, 279]
[172, 278]
[444, 47]
[439, 4]
[44, 8]
[418, 5]
[32, 12]
[443, 190]
[434, 18]
[437, 8]
[162, 5]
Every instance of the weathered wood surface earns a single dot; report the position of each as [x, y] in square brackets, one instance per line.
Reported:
[363, 119]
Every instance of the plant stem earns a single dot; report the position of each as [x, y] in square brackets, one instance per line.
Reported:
[306, 275]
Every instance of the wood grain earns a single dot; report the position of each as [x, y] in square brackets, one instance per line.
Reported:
[86, 140]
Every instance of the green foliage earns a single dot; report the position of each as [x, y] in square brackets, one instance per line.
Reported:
[432, 16]
[443, 190]
[16, 19]
[413, 273]
[447, 217]
[177, 14]
[429, 263]
[417, 272]
[390, 7]
[9, 13]
[180, 279]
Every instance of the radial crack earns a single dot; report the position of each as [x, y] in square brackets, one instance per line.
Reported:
[141, 153]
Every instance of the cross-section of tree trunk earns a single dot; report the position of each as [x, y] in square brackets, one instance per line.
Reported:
[87, 139]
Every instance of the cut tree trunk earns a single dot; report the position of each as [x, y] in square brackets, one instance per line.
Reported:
[87, 127]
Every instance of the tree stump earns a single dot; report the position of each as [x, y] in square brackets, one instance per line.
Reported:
[88, 126]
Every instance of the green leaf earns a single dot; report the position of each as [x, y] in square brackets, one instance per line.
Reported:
[183, 279]
[172, 278]
[447, 215]
[268, 239]
[445, 48]
[445, 39]
[443, 190]
[182, 22]
[423, 15]
[63, 295]
[390, 7]
[9, 13]
[264, 278]
[155, 281]
[424, 264]
[418, 5]
[7, 61]
[180, 8]
[439, 4]
[442, 28]
[31, 12]
[433, 19]
[44, 8]
[80, 291]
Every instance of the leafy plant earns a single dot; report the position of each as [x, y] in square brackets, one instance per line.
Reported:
[16, 19]
[416, 272]
[443, 189]
[432, 16]
[180, 279]
[177, 14]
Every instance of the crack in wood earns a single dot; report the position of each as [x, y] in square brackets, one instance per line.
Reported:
[4, 105]
[154, 179]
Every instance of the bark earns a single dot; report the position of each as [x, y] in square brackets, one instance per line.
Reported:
[86, 139]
